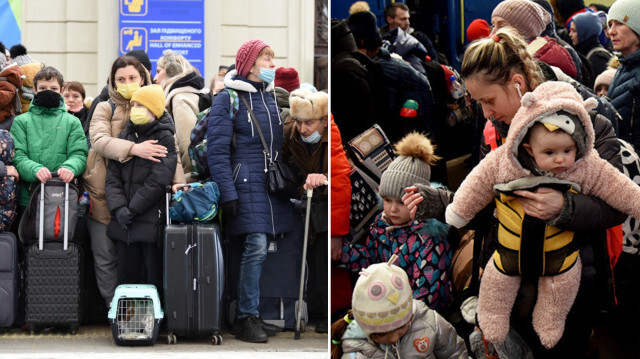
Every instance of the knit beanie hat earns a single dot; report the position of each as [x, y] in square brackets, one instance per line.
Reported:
[247, 56]
[415, 155]
[382, 298]
[308, 105]
[529, 18]
[151, 97]
[287, 78]
[568, 8]
[588, 25]
[558, 104]
[365, 30]
[142, 57]
[17, 50]
[626, 12]
[604, 78]
[478, 29]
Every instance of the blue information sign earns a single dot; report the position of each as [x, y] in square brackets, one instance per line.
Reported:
[156, 25]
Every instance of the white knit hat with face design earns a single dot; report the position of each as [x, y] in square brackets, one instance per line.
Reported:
[382, 298]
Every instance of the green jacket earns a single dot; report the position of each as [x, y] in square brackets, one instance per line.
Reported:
[47, 137]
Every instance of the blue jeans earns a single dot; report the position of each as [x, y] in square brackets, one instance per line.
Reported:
[253, 255]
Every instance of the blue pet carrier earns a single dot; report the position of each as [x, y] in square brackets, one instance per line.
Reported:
[135, 314]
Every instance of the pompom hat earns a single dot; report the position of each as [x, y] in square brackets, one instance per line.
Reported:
[415, 155]
[604, 78]
[382, 298]
[529, 18]
[247, 55]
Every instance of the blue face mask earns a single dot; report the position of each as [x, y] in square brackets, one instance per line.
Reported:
[313, 138]
[267, 75]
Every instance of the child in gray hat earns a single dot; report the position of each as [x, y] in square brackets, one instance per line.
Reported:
[421, 244]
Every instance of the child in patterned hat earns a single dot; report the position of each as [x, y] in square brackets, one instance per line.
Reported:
[422, 244]
[386, 319]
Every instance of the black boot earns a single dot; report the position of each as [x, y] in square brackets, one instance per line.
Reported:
[322, 327]
[249, 329]
[270, 329]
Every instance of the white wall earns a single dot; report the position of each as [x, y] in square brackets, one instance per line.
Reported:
[80, 37]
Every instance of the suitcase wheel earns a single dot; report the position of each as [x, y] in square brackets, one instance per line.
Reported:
[171, 339]
[73, 330]
[216, 340]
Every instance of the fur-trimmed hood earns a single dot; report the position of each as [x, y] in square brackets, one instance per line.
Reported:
[234, 81]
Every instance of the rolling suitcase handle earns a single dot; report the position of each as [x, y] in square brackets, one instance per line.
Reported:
[168, 199]
[65, 244]
[304, 257]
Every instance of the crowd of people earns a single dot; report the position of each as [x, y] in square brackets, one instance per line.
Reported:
[131, 142]
[534, 255]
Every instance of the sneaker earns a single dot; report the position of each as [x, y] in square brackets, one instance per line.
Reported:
[270, 329]
[322, 327]
[249, 329]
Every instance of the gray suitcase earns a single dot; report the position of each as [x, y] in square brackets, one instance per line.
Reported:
[8, 278]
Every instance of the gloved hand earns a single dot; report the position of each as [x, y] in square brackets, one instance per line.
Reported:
[230, 208]
[124, 216]
[435, 202]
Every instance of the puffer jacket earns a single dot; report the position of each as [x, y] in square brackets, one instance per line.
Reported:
[139, 184]
[182, 97]
[624, 93]
[423, 252]
[9, 85]
[546, 49]
[408, 47]
[105, 145]
[241, 172]
[404, 83]
[430, 336]
[47, 137]
[340, 185]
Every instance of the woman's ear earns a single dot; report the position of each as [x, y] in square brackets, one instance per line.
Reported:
[519, 80]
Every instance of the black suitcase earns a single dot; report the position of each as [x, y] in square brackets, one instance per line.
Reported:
[279, 281]
[8, 278]
[193, 271]
[53, 285]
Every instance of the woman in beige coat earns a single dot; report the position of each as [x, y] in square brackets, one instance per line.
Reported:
[109, 119]
[183, 86]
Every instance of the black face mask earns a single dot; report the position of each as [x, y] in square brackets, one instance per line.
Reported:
[47, 99]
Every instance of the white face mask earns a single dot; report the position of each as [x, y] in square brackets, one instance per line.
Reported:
[312, 138]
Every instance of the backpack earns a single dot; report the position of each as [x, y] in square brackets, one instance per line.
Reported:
[198, 146]
[205, 100]
[54, 221]
[196, 203]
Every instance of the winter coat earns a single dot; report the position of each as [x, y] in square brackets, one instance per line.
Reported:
[340, 185]
[594, 175]
[105, 145]
[182, 97]
[430, 336]
[140, 184]
[283, 101]
[423, 250]
[241, 172]
[315, 162]
[8, 185]
[408, 47]
[47, 137]
[597, 55]
[624, 93]
[546, 49]
[10, 82]
[404, 83]
[354, 73]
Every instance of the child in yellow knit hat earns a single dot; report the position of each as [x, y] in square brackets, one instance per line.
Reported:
[135, 190]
